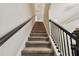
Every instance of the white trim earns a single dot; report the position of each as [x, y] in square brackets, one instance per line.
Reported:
[56, 53]
[54, 47]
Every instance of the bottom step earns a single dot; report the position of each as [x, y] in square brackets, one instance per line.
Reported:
[37, 51]
[40, 54]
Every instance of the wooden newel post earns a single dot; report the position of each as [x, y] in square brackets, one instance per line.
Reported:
[76, 33]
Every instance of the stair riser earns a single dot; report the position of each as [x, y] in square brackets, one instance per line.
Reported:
[38, 28]
[38, 32]
[38, 35]
[38, 39]
[38, 54]
[37, 45]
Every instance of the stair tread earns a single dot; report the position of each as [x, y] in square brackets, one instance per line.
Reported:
[38, 33]
[37, 50]
[37, 42]
[38, 37]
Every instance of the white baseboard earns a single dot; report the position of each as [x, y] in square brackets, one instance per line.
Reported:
[54, 47]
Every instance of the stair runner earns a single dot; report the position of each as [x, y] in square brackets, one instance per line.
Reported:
[38, 43]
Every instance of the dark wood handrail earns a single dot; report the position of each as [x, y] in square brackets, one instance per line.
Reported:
[70, 34]
[8, 35]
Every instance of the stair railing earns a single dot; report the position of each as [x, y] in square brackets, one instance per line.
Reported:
[8, 35]
[62, 39]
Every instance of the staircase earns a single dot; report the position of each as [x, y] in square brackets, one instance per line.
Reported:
[38, 43]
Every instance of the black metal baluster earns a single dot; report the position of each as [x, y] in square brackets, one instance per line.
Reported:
[72, 47]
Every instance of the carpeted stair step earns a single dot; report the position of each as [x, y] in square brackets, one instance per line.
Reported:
[38, 31]
[38, 34]
[38, 38]
[37, 44]
[37, 51]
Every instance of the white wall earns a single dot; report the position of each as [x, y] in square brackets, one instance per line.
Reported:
[11, 15]
[39, 11]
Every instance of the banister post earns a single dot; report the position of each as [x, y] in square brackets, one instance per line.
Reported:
[76, 33]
